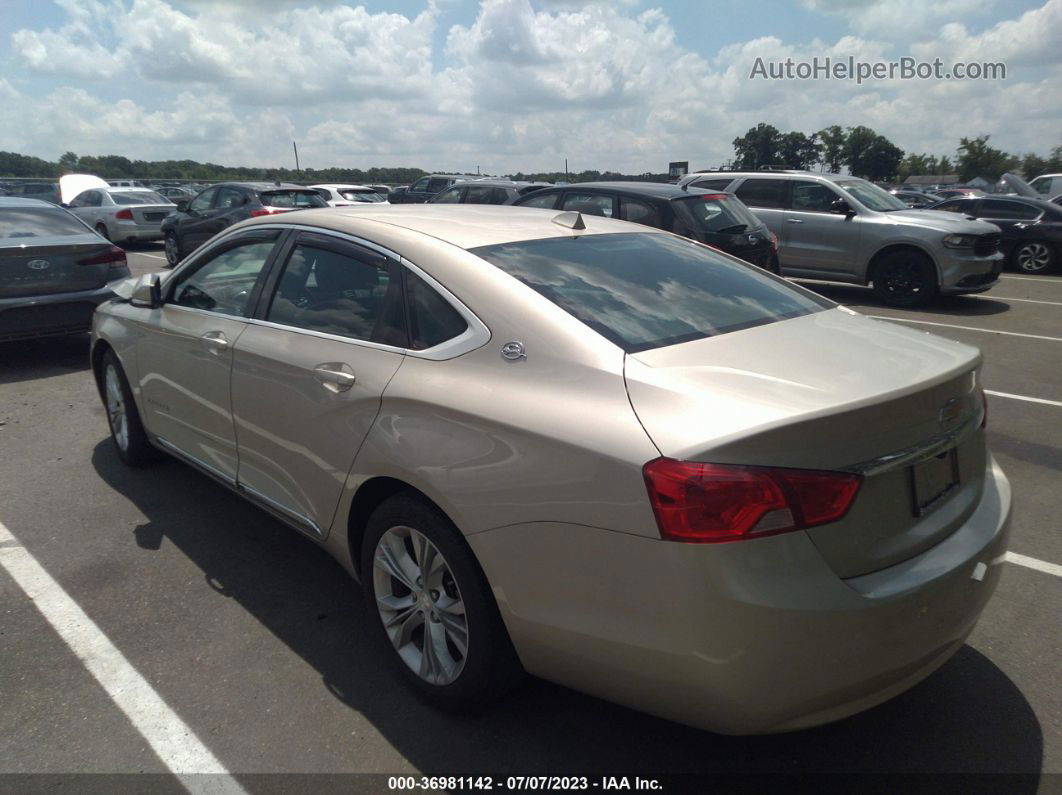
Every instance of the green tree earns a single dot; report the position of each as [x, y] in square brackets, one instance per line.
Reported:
[67, 162]
[797, 150]
[757, 147]
[1033, 166]
[870, 155]
[832, 140]
[978, 159]
[944, 166]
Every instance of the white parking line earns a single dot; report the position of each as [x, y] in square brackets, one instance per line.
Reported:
[966, 328]
[1033, 563]
[1033, 279]
[1025, 398]
[169, 737]
[1022, 300]
[153, 256]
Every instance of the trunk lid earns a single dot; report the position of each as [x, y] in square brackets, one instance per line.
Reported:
[832, 390]
[53, 265]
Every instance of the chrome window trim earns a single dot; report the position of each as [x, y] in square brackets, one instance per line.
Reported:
[917, 453]
[475, 336]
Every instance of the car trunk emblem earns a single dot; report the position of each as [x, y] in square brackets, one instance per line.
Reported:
[950, 414]
[38, 264]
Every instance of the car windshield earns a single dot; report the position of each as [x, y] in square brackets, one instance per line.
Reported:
[19, 222]
[870, 195]
[360, 195]
[644, 291]
[292, 198]
[138, 197]
[720, 212]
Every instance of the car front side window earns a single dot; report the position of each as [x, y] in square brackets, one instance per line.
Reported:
[225, 281]
[203, 201]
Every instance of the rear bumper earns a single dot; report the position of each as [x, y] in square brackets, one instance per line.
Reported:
[120, 232]
[52, 315]
[752, 637]
[967, 273]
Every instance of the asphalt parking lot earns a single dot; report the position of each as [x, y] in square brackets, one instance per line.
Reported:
[247, 635]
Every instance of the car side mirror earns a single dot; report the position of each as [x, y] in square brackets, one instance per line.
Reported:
[841, 207]
[148, 292]
[182, 206]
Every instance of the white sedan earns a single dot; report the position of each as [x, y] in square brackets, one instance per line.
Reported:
[347, 195]
[118, 214]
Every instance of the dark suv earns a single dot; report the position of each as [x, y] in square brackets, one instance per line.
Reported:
[222, 205]
[712, 217]
[487, 191]
[424, 188]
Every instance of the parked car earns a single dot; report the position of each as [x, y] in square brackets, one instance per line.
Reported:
[1031, 228]
[770, 523]
[124, 214]
[845, 229]
[222, 205]
[175, 193]
[716, 219]
[487, 191]
[951, 193]
[916, 200]
[126, 183]
[54, 270]
[346, 195]
[44, 191]
[424, 188]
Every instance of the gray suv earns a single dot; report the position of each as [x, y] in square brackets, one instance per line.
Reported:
[846, 229]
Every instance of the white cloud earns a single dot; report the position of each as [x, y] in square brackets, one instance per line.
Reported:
[908, 18]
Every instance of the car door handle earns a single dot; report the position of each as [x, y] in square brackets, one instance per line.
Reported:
[793, 221]
[215, 341]
[335, 376]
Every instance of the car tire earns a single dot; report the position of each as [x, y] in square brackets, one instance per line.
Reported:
[101, 230]
[471, 661]
[172, 247]
[905, 278]
[123, 419]
[1034, 256]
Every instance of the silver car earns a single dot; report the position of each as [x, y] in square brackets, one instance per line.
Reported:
[586, 449]
[846, 229]
[123, 214]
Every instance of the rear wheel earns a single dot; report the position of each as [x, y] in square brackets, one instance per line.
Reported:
[101, 230]
[127, 432]
[905, 278]
[435, 608]
[173, 249]
[1034, 257]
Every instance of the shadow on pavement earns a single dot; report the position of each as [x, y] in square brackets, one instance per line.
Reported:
[26, 360]
[967, 718]
[957, 305]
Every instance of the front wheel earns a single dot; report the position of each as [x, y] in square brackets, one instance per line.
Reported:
[173, 249]
[905, 279]
[1034, 257]
[127, 431]
[434, 606]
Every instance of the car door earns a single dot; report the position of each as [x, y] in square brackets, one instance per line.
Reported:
[816, 239]
[230, 207]
[417, 192]
[184, 358]
[1014, 219]
[87, 206]
[194, 225]
[310, 370]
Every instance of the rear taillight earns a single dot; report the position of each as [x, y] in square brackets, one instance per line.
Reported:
[124, 215]
[714, 197]
[114, 256]
[267, 211]
[710, 503]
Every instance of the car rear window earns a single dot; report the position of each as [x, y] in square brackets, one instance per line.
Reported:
[19, 222]
[352, 195]
[138, 197]
[292, 198]
[644, 291]
[720, 212]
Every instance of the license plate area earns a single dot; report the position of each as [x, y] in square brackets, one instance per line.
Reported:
[933, 481]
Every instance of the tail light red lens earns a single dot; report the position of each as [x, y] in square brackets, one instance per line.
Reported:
[714, 197]
[114, 256]
[267, 211]
[124, 215]
[711, 503]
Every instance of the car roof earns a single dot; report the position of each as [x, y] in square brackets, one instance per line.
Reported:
[340, 186]
[463, 225]
[19, 201]
[662, 190]
[504, 183]
[777, 174]
[1026, 200]
[263, 186]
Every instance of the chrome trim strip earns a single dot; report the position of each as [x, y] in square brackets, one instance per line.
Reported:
[294, 516]
[191, 459]
[915, 454]
[326, 335]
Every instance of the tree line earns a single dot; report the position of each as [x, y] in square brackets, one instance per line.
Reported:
[868, 154]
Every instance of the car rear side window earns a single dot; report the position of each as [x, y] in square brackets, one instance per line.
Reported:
[710, 184]
[546, 201]
[134, 197]
[335, 288]
[956, 206]
[479, 194]
[648, 290]
[432, 320]
[590, 203]
[24, 222]
[639, 212]
[719, 212]
[451, 196]
[766, 193]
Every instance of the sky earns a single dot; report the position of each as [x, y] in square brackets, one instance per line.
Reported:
[507, 85]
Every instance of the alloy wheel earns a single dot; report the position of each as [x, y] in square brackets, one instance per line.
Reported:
[173, 253]
[116, 411]
[420, 605]
[1034, 257]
